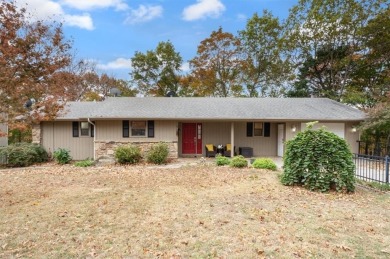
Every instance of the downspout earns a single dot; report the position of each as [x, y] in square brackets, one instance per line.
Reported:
[94, 138]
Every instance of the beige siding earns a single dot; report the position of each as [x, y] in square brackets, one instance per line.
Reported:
[3, 140]
[112, 131]
[289, 133]
[262, 146]
[352, 137]
[59, 135]
[349, 136]
[216, 133]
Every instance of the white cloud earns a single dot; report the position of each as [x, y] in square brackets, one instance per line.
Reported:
[185, 67]
[144, 14]
[83, 21]
[95, 4]
[44, 9]
[241, 17]
[119, 63]
[203, 9]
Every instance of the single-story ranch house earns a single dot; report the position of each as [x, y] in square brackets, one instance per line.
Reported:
[258, 126]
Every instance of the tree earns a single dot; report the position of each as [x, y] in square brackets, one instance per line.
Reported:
[377, 126]
[216, 68]
[372, 78]
[31, 52]
[263, 69]
[156, 72]
[325, 37]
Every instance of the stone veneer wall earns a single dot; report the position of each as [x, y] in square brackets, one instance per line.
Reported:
[36, 134]
[107, 148]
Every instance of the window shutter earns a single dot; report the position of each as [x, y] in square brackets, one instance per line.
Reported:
[125, 129]
[249, 129]
[150, 129]
[267, 129]
[92, 129]
[75, 129]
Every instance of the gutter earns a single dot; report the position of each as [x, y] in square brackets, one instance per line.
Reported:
[94, 138]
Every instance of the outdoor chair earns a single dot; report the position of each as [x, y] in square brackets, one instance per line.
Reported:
[211, 150]
[227, 150]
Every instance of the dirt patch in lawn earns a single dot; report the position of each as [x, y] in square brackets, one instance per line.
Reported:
[193, 211]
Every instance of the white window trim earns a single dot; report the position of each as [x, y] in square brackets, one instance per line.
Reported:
[138, 136]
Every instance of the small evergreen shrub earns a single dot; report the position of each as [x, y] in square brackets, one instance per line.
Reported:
[84, 163]
[239, 161]
[24, 154]
[221, 160]
[62, 156]
[264, 163]
[319, 160]
[158, 153]
[128, 154]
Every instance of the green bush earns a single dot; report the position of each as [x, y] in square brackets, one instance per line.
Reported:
[239, 161]
[84, 163]
[221, 160]
[319, 160]
[128, 154]
[264, 163]
[62, 156]
[158, 153]
[24, 154]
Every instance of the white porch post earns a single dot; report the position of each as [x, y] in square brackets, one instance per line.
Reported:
[232, 139]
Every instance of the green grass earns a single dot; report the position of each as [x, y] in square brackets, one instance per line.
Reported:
[84, 163]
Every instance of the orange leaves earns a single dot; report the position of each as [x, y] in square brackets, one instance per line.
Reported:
[30, 55]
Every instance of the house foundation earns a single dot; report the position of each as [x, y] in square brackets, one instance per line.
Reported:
[107, 148]
[36, 134]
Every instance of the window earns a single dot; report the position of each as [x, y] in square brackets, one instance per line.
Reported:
[138, 128]
[258, 129]
[84, 128]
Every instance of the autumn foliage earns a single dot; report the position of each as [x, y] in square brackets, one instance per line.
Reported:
[31, 53]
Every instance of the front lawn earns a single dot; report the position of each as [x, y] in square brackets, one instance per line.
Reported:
[194, 211]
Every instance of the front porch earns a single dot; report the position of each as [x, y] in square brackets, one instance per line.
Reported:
[264, 139]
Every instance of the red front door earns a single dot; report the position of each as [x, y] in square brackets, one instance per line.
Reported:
[192, 138]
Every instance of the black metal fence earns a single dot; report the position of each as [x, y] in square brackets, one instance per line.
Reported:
[372, 168]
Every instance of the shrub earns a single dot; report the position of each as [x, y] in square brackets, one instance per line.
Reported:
[221, 160]
[84, 163]
[264, 163]
[128, 154]
[62, 156]
[24, 154]
[158, 153]
[319, 160]
[239, 161]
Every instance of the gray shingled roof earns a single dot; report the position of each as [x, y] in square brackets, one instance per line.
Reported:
[207, 108]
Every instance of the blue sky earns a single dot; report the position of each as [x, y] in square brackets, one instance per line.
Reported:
[109, 32]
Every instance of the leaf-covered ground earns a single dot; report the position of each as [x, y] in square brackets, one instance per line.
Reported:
[199, 211]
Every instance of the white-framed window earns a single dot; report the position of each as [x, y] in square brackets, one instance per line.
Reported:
[138, 129]
[258, 129]
[84, 128]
